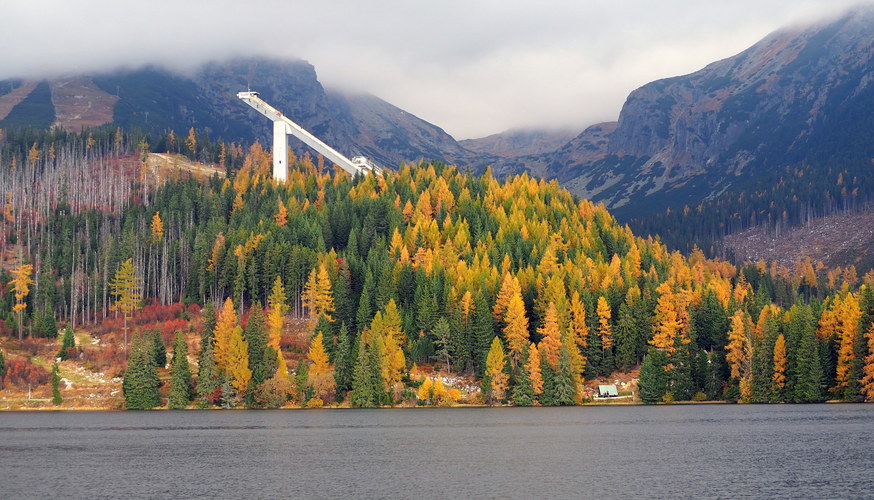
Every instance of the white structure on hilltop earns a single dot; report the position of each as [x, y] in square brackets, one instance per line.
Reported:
[283, 126]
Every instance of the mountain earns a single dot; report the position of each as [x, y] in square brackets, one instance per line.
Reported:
[800, 96]
[157, 100]
[519, 142]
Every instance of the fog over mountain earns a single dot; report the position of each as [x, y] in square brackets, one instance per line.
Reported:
[474, 69]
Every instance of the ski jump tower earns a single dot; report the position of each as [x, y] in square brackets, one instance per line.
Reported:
[283, 126]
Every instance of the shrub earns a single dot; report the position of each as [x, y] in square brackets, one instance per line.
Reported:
[699, 396]
[21, 372]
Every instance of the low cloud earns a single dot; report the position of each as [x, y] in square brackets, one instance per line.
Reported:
[473, 68]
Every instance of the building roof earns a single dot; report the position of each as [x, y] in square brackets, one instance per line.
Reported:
[608, 390]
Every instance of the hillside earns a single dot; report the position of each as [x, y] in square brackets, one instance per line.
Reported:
[799, 97]
[521, 142]
[156, 101]
[836, 241]
[477, 289]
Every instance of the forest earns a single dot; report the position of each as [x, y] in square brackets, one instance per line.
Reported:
[427, 285]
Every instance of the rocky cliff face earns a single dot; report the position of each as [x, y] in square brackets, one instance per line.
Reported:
[793, 97]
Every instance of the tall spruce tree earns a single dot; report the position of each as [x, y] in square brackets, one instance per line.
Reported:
[563, 389]
[344, 362]
[364, 385]
[180, 374]
[523, 391]
[255, 335]
[653, 380]
[56, 389]
[158, 349]
[67, 342]
[140, 384]
[208, 377]
[807, 370]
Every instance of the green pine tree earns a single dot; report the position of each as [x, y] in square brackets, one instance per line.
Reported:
[158, 350]
[365, 310]
[255, 335]
[563, 389]
[363, 389]
[547, 397]
[2, 369]
[523, 392]
[140, 384]
[343, 362]
[624, 336]
[207, 335]
[301, 381]
[67, 342]
[653, 380]
[56, 390]
[208, 378]
[483, 331]
[180, 374]
[680, 380]
[806, 369]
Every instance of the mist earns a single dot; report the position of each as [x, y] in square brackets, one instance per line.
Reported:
[473, 69]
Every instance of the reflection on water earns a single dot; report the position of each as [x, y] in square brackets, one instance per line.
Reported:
[709, 451]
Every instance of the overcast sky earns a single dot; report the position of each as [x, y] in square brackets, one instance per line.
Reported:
[472, 67]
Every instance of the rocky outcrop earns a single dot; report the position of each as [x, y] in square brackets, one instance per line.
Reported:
[797, 96]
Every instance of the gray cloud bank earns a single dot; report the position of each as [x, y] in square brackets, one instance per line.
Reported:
[472, 67]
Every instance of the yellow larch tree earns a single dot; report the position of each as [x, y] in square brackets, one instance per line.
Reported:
[321, 372]
[275, 320]
[509, 287]
[424, 392]
[127, 288]
[281, 216]
[21, 282]
[157, 227]
[550, 343]
[317, 297]
[579, 328]
[392, 327]
[385, 332]
[779, 377]
[848, 314]
[739, 348]
[495, 363]
[237, 360]
[604, 331]
[516, 326]
[226, 322]
[533, 368]
[666, 324]
[191, 141]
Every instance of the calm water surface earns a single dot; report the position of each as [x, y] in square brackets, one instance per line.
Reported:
[700, 451]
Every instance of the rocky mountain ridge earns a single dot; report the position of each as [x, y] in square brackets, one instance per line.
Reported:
[157, 100]
[799, 95]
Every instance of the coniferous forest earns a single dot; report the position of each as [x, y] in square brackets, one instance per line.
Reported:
[426, 285]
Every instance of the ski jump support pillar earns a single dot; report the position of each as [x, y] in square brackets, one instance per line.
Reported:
[282, 127]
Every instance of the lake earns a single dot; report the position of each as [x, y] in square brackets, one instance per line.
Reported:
[688, 451]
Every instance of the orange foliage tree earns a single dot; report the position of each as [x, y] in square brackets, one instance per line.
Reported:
[496, 380]
[516, 326]
[21, 282]
[275, 320]
[317, 297]
[550, 344]
[321, 372]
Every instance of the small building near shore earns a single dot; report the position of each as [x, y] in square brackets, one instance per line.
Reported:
[607, 391]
